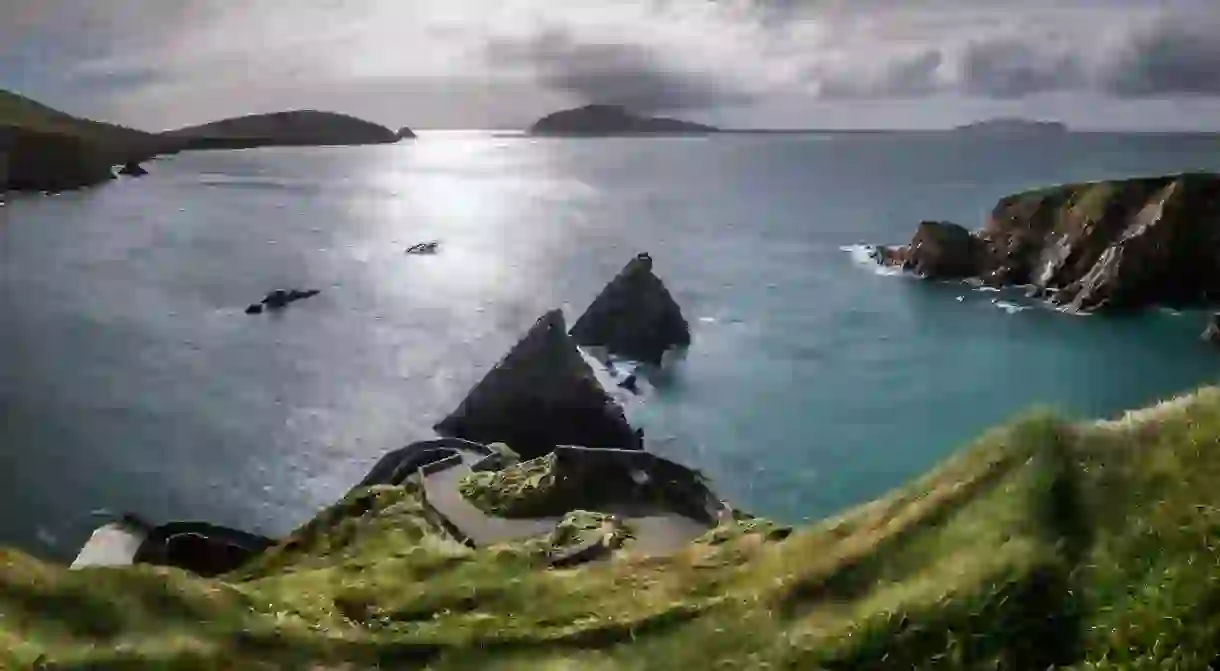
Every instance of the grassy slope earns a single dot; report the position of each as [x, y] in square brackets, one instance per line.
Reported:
[17, 110]
[1043, 544]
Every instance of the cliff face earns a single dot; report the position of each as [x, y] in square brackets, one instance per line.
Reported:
[1115, 244]
[44, 161]
[297, 128]
[612, 120]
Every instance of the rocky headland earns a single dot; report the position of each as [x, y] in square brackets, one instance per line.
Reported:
[596, 120]
[1102, 246]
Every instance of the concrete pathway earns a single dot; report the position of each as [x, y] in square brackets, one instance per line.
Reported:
[656, 532]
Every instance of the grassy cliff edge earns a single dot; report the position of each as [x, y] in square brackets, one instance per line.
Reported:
[1044, 544]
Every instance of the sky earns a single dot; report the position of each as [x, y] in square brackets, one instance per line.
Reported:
[160, 64]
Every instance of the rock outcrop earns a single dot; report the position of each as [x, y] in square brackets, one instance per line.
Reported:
[405, 133]
[542, 394]
[612, 120]
[1105, 245]
[133, 169]
[296, 128]
[280, 299]
[634, 316]
[1212, 332]
[33, 160]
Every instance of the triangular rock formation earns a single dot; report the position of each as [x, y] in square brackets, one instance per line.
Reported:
[634, 316]
[542, 394]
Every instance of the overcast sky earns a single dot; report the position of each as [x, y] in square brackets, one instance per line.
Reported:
[160, 64]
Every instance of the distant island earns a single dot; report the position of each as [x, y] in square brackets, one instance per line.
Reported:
[1009, 126]
[601, 120]
[295, 128]
[44, 149]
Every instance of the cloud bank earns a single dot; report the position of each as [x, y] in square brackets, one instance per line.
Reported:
[473, 62]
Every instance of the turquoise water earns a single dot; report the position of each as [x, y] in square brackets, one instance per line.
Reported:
[130, 379]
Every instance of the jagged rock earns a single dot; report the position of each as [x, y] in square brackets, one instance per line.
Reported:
[1115, 244]
[254, 309]
[542, 394]
[634, 316]
[133, 169]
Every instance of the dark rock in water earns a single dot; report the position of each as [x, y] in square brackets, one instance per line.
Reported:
[940, 249]
[405, 133]
[204, 549]
[634, 316]
[424, 247]
[630, 384]
[280, 298]
[1212, 332]
[133, 169]
[1105, 245]
[254, 309]
[542, 394]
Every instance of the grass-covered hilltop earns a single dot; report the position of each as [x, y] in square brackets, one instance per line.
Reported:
[1044, 544]
[44, 149]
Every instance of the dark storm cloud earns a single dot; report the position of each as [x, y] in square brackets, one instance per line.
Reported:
[635, 75]
[1010, 68]
[1172, 57]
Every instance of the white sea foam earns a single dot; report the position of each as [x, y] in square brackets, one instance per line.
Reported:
[862, 255]
[707, 320]
[1009, 307]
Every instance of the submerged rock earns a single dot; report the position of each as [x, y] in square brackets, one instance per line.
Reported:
[1114, 244]
[542, 394]
[634, 316]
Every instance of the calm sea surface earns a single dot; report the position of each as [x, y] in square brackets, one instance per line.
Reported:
[130, 379]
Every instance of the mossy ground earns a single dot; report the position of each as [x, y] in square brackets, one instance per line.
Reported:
[1043, 545]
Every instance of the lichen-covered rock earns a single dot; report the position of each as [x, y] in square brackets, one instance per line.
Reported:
[542, 394]
[1114, 244]
[634, 316]
[531, 488]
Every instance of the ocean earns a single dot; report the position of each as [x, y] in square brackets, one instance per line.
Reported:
[131, 380]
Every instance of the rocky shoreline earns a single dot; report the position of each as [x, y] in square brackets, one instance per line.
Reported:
[1107, 246]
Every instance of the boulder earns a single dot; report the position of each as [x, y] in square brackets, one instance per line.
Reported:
[634, 316]
[254, 309]
[133, 169]
[542, 394]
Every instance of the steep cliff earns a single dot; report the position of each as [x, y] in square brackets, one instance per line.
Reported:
[1114, 244]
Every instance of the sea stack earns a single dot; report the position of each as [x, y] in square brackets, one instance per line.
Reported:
[542, 394]
[634, 316]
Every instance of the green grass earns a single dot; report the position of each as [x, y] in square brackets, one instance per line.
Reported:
[21, 112]
[1042, 545]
